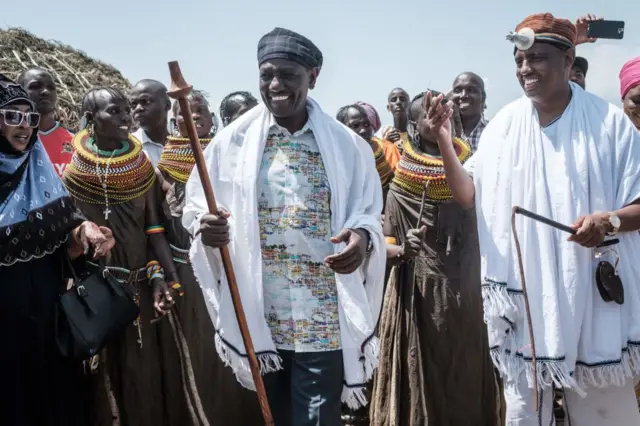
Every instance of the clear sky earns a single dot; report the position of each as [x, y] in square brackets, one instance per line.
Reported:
[369, 47]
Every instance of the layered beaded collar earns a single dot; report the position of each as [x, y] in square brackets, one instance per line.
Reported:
[416, 167]
[177, 158]
[108, 178]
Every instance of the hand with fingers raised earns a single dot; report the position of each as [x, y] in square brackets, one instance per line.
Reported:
[439, 115]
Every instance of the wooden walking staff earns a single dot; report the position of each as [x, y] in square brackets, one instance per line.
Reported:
[179, 91]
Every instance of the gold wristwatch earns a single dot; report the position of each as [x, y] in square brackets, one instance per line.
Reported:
[614, 221]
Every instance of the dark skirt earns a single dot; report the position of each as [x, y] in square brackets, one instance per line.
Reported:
[38, 386]
[212, 390]
[435, 367]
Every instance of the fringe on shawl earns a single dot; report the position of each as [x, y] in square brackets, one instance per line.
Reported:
[500, 304]
[354, 396]
[268, 363]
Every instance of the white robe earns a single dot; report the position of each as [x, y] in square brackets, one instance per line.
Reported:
[233, 160]
[588, 161]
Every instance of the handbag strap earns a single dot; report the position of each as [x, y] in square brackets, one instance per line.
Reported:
[70, 266]
[101, 266]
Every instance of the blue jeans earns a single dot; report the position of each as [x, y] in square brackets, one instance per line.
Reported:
[308, 389]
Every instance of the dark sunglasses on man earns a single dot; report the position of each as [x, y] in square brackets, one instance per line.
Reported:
[15, 118]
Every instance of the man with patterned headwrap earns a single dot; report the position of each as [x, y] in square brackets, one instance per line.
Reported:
[302, 202]
[568, 155]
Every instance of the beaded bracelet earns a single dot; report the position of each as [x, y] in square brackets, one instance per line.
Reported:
[177, 287]
[154, 268]
[154, 229]
[157, 275]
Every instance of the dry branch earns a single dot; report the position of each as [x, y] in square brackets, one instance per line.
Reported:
[74, 72]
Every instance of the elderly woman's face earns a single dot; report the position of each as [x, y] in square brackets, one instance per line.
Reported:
[18, 135]
[631, 105]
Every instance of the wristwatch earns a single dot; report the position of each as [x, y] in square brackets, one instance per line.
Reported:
[615, 222]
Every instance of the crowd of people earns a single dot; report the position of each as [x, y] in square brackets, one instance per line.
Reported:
[384, 277]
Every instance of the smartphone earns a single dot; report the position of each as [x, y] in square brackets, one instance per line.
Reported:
[613, 30]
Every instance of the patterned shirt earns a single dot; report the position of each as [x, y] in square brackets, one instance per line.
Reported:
[474, 137]
[300, 295]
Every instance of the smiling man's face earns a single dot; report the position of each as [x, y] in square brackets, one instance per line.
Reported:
[468, 93]
[284, 86]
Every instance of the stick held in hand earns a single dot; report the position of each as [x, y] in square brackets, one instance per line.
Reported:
[180, 91]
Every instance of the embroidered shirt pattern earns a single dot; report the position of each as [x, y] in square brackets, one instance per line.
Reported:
[300, 295]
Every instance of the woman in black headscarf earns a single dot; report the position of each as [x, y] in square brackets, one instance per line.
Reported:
[40, 234]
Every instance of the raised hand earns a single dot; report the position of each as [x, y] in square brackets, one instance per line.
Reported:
[582, 26]
[438, 116]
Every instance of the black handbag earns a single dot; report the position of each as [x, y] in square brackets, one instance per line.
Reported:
[96, 309]
[609, 283]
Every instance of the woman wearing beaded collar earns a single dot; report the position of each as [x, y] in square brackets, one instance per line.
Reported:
[114, 184]
[434, 356]
[206, 377]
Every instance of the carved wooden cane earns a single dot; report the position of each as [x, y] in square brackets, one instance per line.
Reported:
[180, 91]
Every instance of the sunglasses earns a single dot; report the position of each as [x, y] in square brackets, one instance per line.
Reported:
[16, 118]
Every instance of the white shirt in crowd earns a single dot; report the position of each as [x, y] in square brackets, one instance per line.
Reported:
[151, 148]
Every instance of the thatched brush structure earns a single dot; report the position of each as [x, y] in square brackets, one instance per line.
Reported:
[73, 70]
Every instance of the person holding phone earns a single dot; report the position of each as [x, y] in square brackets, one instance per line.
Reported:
[568, 155]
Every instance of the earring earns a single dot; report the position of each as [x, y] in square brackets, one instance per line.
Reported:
[92, 130]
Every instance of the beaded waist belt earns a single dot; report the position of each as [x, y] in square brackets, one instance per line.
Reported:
[179, 255]
[125, 275]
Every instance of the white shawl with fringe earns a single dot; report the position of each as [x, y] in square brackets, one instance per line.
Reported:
[233, 160]
[591, 164]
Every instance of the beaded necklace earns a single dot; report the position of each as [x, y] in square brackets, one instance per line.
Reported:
[117, 179]
[416, 167]
[177, 158]
[382, 165]
[106, 210]
[91, 144]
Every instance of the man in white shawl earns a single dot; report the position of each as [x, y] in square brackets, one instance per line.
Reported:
[302, 201]
[567, 155]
